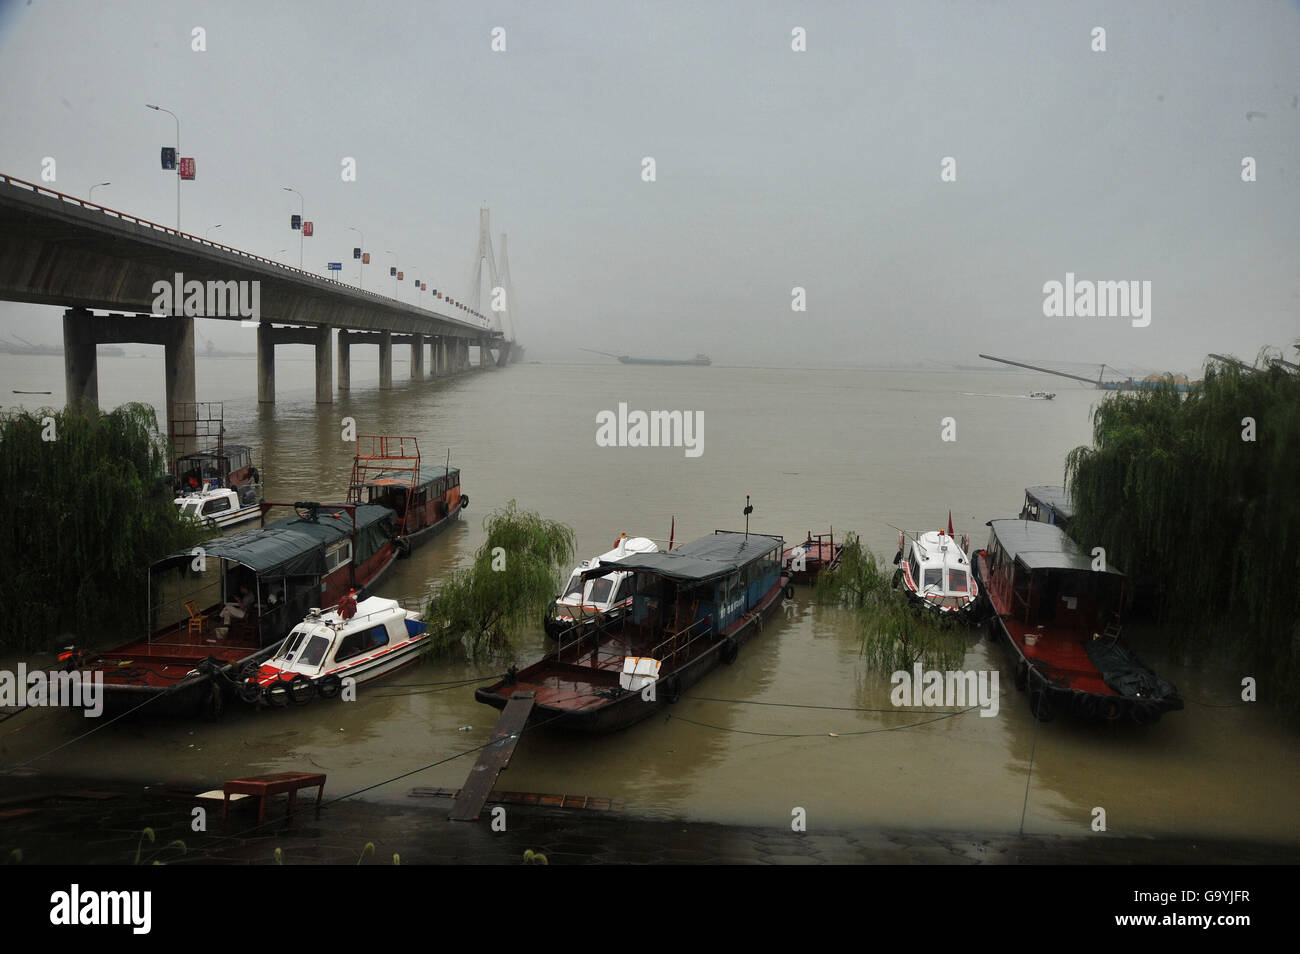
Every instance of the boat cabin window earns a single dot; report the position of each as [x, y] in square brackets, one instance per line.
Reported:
[575, 586]
[315, 651]
[957, 581]
[291, 644]
[338, 555]
[915, 564]
[358, 643]
[624, 590]
[600, 589]
[219, 505]
[190, 508]
[933, 577]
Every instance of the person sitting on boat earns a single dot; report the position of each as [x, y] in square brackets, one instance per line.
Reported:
[238, 610]
[348, 605]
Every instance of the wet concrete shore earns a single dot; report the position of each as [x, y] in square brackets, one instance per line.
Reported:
[91, 822]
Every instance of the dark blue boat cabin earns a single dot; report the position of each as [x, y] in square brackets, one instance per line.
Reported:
[718, 578]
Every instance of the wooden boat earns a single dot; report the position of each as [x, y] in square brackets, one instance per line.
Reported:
[805, 561]
[1059, 619]
[935, 572]
[692, 608]
[324, 649]
[386, 472]
[1048, 504]
[284, 568]
[593, 601]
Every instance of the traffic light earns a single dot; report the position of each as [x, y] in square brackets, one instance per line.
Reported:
[356, 253]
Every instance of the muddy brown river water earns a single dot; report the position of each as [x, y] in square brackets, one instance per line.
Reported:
[856, 450]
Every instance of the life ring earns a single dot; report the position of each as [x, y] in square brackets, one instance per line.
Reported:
[729, 651]
[329, 685]
[301, 689]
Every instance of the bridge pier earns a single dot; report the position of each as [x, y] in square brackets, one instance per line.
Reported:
[324, 365]
[82, 331]
[417, 357]
[385, 361]
[484, 359]
[345, 360]
[319, 336]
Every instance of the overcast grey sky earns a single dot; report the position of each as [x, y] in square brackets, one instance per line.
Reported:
[775, 168]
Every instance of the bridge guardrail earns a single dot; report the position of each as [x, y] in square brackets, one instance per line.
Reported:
[136, 220]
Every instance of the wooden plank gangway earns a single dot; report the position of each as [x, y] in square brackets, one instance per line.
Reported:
[494, 759]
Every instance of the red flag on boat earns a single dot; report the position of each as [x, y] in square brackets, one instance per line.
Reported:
[949, 523]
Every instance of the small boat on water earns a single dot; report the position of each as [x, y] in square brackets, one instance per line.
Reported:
[1042, 395]
[222, 506]
[692, 608]
[1059, 619]
[935, 572]
[216, 484]
[324, 649]
[212, 613]
[386, 471]
[592, 601]
[805, 561]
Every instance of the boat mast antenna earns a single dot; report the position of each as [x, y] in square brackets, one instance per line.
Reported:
[748, 510]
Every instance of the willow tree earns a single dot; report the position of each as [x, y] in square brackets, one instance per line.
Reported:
[85, 506]
[1194, 494]
[894, 635]
[509, 585]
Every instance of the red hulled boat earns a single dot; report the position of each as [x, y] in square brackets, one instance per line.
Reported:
[1059, 618]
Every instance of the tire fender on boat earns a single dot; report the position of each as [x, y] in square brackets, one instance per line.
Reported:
[672, 688]
[789, 591]
[729, 651]
[329, 685]
[215, 703]
[301, 689]
[249, 690]
[464, 501]
[276, 694]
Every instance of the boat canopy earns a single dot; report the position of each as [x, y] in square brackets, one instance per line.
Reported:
[1053, 497]
[403, 478]
[295, 546]
[700, 560]
[1042, 546]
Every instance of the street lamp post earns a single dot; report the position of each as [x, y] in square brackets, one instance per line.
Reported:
[353, 228]
[178, 159]
[91, 197]
[302, 221]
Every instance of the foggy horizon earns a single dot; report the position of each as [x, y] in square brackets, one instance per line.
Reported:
[775, 168]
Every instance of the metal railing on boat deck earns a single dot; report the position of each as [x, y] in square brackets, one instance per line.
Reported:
[678, 642]
[581, 629]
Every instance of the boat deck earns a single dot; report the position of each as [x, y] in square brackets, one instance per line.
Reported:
[168, 657]
[1060, 655]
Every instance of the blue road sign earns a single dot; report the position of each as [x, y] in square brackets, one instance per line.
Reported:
[335, 266]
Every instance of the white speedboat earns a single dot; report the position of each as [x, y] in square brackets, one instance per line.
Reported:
[324, 649]
[587, 603]
[1043, 395]
[221, 506]
[935, 572]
